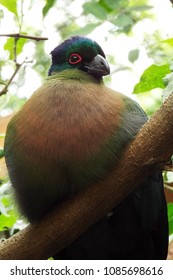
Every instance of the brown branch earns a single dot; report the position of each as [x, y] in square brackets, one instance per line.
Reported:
[149, 152]
[5, 88]
[18, 35]
[15, 50]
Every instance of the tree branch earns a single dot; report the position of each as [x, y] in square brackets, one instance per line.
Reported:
[18, 35]
[151, 149]
[5, 88]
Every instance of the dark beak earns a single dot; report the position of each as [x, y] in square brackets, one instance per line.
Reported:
[98, 66]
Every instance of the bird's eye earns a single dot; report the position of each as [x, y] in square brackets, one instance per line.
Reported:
[75, 58]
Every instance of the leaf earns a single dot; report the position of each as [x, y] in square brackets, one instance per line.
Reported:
[152, 78]
[7, 221]
[114, 5]
[48, 6]
[1, 153]
[11, 5]
[170, 217]
[86, 29]
[141, 8]
[95, 9]
[9, 46]
[122, 21]
[133, 55]
[168, 41]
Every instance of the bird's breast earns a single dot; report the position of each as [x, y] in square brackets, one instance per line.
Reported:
[70, 124]
[70, 120]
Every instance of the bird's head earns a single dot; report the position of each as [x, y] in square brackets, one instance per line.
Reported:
[79, 53]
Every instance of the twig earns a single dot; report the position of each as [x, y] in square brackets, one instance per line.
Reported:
[20, 18]
[18, 35]
[5, 89]
[15, 49]
[168, 186]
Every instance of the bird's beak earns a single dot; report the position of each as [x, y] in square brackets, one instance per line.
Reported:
[98, 66]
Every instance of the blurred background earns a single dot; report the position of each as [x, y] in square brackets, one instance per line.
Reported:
[136, 36]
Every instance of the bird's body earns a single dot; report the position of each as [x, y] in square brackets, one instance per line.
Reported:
[70, 134]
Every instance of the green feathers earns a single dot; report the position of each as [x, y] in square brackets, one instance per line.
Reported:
[63, 56]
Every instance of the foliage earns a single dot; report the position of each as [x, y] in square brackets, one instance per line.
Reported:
[1, 153]
[49, 4]
[170, 217]
[7, 217]
[121, 16]
[133, 55]
[152, 78]
[11, 5]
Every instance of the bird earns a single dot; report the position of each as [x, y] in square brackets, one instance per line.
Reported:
[68, 136]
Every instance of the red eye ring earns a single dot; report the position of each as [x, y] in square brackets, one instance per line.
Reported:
[74, 58]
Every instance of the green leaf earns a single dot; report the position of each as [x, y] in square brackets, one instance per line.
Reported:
[95, 9]
[118, 4]
[11, 5]
[170, 217]
[133, 55]
[9, 46]
[48, 6]
[7, 221]
[141, 8]
[1, 153]
[152, 78]
[168, 41]
[122, 21]
[86, 29]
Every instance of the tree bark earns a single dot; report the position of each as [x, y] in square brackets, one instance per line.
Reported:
[149, 152]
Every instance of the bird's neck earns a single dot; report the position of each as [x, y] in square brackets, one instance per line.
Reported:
[75, 74]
